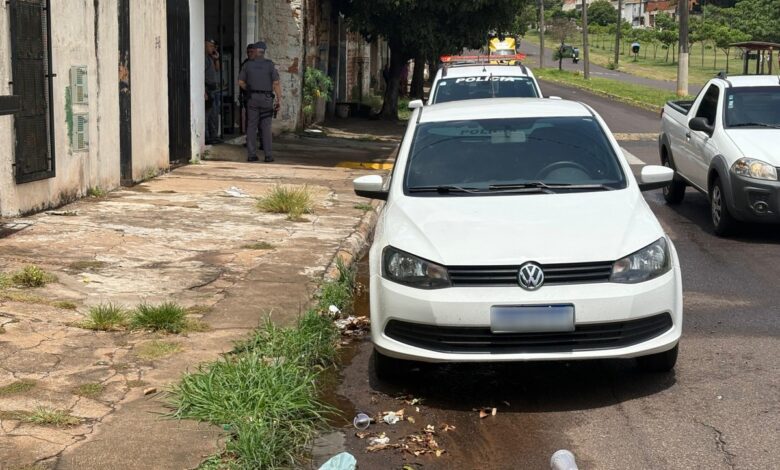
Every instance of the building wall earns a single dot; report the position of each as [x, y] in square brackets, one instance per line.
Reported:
[79, 38]
[149, 85]
[280, 25]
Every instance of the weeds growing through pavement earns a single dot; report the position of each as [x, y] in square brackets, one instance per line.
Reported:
[50, 417]
[89, 390]
[168, 316]
[32, 276]
[156, 349]
[18, 387]
[291, 200]
[105, 317]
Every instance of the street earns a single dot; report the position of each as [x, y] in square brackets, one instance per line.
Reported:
[718, 409]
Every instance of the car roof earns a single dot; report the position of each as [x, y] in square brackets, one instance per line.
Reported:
[492, 108]
[485, 70]
[753, 80]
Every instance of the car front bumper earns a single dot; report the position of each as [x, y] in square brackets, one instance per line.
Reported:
[463, 314]
[755, 200]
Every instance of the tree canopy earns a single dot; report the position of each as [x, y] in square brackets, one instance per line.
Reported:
[602, 13]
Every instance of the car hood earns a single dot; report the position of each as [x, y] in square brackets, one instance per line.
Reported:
[760, 144]
[512, 229]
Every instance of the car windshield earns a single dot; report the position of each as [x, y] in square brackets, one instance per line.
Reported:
[753, 107]
[522, 155]
[470, 88]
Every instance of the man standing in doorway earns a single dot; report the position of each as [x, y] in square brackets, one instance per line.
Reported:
[212, 88]
[260, 79]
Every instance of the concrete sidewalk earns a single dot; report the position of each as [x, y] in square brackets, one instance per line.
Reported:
[179, 237]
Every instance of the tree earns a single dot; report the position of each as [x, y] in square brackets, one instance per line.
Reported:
[602, 13]
[562, 28]
[431, 26]
[725, 37]
[666, 32]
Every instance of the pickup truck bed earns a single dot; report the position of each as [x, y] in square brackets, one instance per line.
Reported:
[683, 106]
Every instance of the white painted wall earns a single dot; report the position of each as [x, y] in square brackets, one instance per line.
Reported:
[149, 86]
[197, 77]
[73, 43]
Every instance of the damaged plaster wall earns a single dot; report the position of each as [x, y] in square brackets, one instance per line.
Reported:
[280, 25]
[149, 79]
[74, 43]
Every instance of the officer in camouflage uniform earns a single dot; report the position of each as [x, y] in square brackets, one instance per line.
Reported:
[260, 79]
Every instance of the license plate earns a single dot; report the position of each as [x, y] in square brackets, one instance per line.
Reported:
[532, 319]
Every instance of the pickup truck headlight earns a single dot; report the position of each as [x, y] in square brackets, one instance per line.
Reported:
[753, 168]
[404, 268]
[647, 263]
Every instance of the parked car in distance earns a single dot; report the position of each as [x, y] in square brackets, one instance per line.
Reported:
[467, 81]
[514, 230]
[726, 144]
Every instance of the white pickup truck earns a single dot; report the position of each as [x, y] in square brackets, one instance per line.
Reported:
[726, 143]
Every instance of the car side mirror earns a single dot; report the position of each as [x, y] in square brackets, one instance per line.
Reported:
[701, 124]
[370, 186]
[414, 104]
[655, 177]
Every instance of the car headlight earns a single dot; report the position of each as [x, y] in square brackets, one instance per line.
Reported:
[647, 263]
[753, 168]
[403, 268]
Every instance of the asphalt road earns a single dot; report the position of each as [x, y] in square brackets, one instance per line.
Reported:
[720, 408]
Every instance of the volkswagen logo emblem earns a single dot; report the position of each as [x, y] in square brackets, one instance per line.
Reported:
[530, 276]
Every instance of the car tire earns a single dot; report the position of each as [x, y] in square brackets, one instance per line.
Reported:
[722, 220]
[387, 368]
[674, 192]
[659, 362]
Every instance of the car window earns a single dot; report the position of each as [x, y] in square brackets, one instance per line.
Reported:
[753, 106]
[478, 154]
[709, 105]
[469, 88]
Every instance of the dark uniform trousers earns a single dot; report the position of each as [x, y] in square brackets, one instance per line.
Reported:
[260, 110]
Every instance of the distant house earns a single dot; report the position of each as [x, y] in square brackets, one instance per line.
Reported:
[638, 13]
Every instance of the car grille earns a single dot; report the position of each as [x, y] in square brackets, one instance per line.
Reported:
[456, 339]
[465, 276]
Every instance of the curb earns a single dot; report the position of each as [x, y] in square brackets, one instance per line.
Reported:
[356, 244]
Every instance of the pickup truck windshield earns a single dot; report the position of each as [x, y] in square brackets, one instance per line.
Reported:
[470, 88]
[753, 107]
[517, 155]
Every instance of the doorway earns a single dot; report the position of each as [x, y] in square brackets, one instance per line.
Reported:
[179, 134]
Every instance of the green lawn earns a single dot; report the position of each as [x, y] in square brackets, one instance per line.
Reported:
[637, 95]
[652, 61]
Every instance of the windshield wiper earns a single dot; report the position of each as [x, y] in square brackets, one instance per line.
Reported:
[548, 187]
[442, 189]
[755, 124]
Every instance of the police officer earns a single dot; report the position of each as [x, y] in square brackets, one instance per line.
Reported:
[260, 79]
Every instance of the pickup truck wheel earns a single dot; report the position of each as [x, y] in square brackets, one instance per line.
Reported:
[674, 192]
[722, 221]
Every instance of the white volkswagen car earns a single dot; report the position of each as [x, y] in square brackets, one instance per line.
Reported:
[514, 230]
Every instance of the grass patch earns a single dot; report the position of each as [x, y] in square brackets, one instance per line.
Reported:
[5, 281]
[64, 304]
[97, 192]
[364, 207]
[259, 246]
[86, 265]
[44, 416]
[105, 317]
[18, 387]
[291, 200]
[168, 316]
[637, 95]
[32, 276]
[340, 291]
[157, 349]
[89, 390]
[265, 393]
[404, 113]
[135, 383]
[23, 297]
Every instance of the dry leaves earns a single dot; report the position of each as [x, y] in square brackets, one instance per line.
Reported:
[485, 412]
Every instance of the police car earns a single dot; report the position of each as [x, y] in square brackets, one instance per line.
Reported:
[474, 77]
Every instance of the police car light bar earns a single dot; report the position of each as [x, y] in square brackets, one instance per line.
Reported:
[448, 59]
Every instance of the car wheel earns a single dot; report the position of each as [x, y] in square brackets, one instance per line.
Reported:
[722, 220]
[387, 368]
[659, 362]
[674, 192]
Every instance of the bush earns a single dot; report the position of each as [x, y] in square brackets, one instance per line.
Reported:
[316, 85]
[32, 276]
[168, 316]
[105, 317]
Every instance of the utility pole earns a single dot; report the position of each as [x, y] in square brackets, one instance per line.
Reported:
[585, 58]
[617, 31]
[682, 59]
[541, 34]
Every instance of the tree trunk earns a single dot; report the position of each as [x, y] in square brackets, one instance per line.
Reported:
[390, 105]
[560, 56]
[728, 52]
[715, 56]
[418, 76]
[655, 51]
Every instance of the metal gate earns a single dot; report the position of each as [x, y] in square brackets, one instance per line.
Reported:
[179, 135]
[31, 69]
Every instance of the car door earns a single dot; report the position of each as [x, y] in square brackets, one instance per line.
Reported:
[699, 144]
